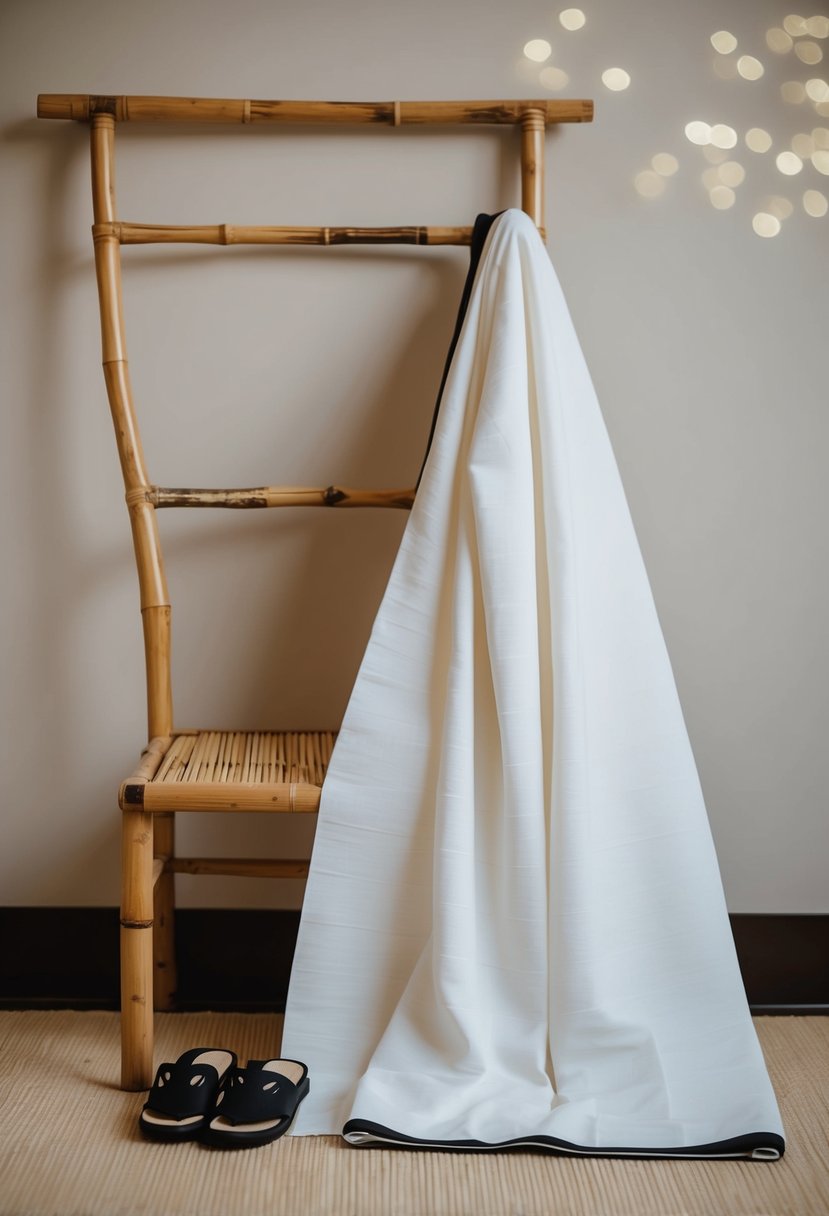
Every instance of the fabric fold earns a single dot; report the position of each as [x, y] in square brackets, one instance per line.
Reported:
[514, 930]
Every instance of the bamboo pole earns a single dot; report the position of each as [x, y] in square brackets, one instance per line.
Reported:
[128, 233]
[82, 107]
[155, 600]
[164, 908]
[279, 496]
[136, 949]
[532, 165]
[287, 797]
[242, 867]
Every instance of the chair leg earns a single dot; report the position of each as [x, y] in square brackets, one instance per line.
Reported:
[164, 906]
[137, 950]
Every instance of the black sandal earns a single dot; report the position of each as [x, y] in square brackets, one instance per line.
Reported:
[184, 1094]
[258, 1104]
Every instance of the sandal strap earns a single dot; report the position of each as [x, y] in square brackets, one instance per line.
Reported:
[182, 1090]
[255, 1094]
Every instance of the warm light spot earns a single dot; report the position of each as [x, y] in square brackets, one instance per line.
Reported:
[723, 136]
[749, 67]
[808, 52]
[820, 160]
[553, 78]
[795, 26]
[758, 140]
[649, 184]
[815, 203]
[820, 136]
[723, 42]
[714, 156]
[722, 198]
[781, 208]
[793, 91]
[665, 164]
[731, 173]
[803, 145]
[765, 224]
[778, 40]
[817, 89]
[789, 163]
[698, 132]
[572, 18]
[711, 177]
[818, 27]
[538, 49]
[615, 79]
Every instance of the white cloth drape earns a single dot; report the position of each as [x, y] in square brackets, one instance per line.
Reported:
[514, 926]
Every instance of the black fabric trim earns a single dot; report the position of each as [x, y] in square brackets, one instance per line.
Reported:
[736, 1146]
[480, 231]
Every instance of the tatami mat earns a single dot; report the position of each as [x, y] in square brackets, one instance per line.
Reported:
[69, 1144]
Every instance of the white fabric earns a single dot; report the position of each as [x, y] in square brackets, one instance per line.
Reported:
[514, 923]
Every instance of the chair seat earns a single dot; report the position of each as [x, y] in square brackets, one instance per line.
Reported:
[233, 770]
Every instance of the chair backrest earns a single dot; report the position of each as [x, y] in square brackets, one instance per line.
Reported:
[109, 234]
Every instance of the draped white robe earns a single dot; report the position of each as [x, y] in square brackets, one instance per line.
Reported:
[514, 927]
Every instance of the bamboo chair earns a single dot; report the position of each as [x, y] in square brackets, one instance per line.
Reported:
[203, 770]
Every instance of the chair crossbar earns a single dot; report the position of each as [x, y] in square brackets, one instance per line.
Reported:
[273, 496]
[83, 107]
[127, 233]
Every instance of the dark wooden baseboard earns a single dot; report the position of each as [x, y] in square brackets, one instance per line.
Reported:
[67, 958]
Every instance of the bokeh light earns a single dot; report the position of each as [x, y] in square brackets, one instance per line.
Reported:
[808, 52]
[722, 198]
[723, 136]
[779, 41]
[724, 42]
[615, 79]
[795, 26]
[665, 164]
[816, 89]
[818, 27]
[758, 140]
[649, 184]
[698, 132]
[789, 163]
[765, 224]
[572, 18]
[815, 203]
[749, 67]
[538, 49]
[731, 173]
[553, 78]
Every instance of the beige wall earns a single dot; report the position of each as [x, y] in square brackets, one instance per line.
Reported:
[706, 343]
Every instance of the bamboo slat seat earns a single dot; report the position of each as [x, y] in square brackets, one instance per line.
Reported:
[207, 770]
[231, 770]
[270, 757]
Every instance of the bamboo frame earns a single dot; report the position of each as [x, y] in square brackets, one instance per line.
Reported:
[209, 771]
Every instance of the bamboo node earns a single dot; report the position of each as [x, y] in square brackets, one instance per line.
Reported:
[331, 496]
[396, 105]
[139, 494]
[533, 120]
